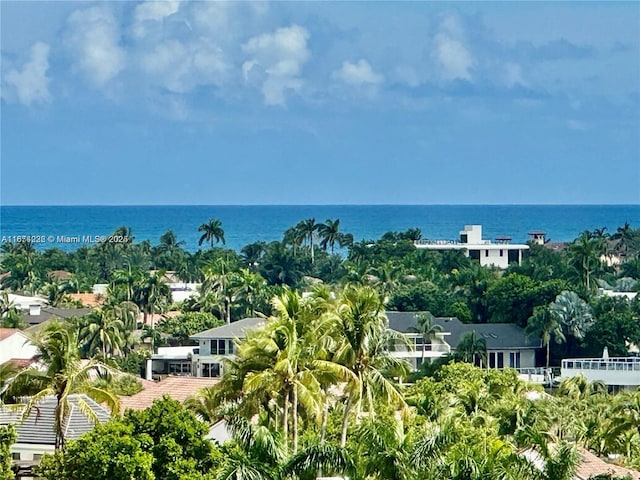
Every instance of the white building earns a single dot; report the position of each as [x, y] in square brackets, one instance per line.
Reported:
[614, 372]
[15, 346]
[497, 254]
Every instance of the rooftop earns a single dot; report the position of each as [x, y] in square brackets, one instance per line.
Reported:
[231, 330]
[38, 427]
[178, 388]
[497, 335]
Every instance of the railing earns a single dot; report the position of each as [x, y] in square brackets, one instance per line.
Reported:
[620, 364]
[425, 241]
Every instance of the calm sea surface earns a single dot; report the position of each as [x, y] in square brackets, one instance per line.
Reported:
[247, 224]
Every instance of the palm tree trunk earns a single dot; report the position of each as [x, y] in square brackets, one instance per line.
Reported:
[345, 421]
[294, 419]
[323, 425]
[548, 354]
[285, 422]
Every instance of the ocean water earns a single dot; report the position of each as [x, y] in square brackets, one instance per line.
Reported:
[247, 224]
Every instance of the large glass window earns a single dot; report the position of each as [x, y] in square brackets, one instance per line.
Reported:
[210, 369]
[179, 368]
[219, 347]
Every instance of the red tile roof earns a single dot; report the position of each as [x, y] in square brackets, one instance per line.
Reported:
[592, 465]
[88, 299]
[178, 388]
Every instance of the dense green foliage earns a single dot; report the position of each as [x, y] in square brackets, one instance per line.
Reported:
[317, 390]
[7, 438]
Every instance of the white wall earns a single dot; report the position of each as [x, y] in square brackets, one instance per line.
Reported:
[17, 346]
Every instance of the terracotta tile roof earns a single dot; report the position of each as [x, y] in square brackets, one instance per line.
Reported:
[178, 388]
[592, 465]
[7, 332]
[88, 299]
[60, 275]
[22, 362]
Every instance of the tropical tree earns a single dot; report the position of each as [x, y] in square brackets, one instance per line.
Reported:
[329, 233]
[428, 328]
[574, 314]
[212, 231]
[472, 349]
[308, 229]
[64, 376]
[151, 293]
[7, 438]
[104, 330]
[584, 254]
[546, 324]
[359, 327]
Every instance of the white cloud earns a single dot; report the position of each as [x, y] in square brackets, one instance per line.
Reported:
[93, 39]
[152, 11]
[31, 83]
[180, 67]
[357, 74]
[277, 59]
[450, 51]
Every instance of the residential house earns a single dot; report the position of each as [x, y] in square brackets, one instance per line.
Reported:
[217, 343]
[507, 344]
[36, 435]
[489, 254]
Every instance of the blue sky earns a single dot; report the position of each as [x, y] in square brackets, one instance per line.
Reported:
[320, 103]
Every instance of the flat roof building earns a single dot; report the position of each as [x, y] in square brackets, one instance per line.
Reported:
[499, 254]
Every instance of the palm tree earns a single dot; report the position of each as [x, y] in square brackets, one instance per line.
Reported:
[308, 229]
[126, 279]
[252, 254]
[247, 288]
[585, 254]
[259, 455]
[428, 328]
[471, 349]
[545, 323]
[105, 329]
[151, 293]
[212, 231]
[360, 329]
[329, 233]
[63, 377]
[169, 244]
[574, 314]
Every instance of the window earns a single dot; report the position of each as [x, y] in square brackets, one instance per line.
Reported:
[500, 359]
[502, 253]
[210, 369]
[486, 253]
[474, 254]
[219, 347]
[15, 456]
[514, 359]
[179, 368]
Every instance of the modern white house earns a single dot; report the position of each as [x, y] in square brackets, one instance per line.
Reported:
[490, 254]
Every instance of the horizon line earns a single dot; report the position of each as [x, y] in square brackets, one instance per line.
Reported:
[334, 205]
